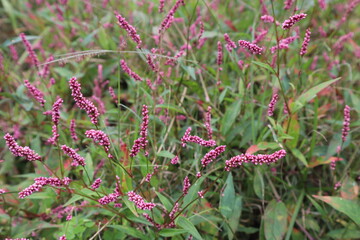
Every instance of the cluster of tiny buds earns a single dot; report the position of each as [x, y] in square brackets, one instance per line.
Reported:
[141, 142]
[96, 184]
[129, 29]
[201, 194]
[305, 42]
[196, 139]
[139, 201]
[99, 137]
[208, 122]
[30, 50]
[287, 4]
[63, 237]
[112, 197]
[198, 174]
[82, 102]
[77, 159]
[36, 93]
[346, 123]
[253, 48]
[283, 43]
[19, 151]
[267, 18]
[337, 185]
[175, 160]
[72, 130]
[42, 181]
[186, 186]
[126, 69]
[229, 43]
[272, 103]
[213, 154]
[287, 24]
[255, 159]
[168, 20]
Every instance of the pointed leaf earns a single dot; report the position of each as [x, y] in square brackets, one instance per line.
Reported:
[275, 220]
[187, 225]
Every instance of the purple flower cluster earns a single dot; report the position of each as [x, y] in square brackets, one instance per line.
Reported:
[255, 159]
[305, 42]
[338, 46]
[55, 116]
[2, 191]
[141, 142]
[267, 18]
[287, 24]
[77, 159]
[99, 137]
[112, 197]
[196, 139]
[229, 43]
[82, 102]
[253, 48]
[44, 73]
[283, 43]
[63, 237]
[186, 186]
[346, 123]
[139, 201]
[272, 103]
[175, 160]
[19, 151]
[161, 6]
[201, 194]
[126, 68]
[208, 122]
[219, 59]
[96, 183]
[36, 93]
[168, 20]
[14, 54]
[129, 29]
[287, 4]
[30, 50]
[42, 181]
[212, 155]
[72, 130]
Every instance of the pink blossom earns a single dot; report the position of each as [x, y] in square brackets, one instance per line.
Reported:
[208, 122]
[96, 183]
[99, 137]
[126, 69]
[82, 102]
[77, 159]
[212, 155]
[267, 18]
[196, 139]
[42, 181]
[44, 73]
[118, 205]
[322, 4]
[287, 24]
[255, 159]
[55, 135]
[219, 59]
[260, 36]
[186, 186]
[201, 194]
[287, 4]
[141, 142]
[14, 53]
[175, 160]
[2, 191]
[72, 130]
[166, 23]
[129, 29]
[112, 197]
[36, 93]
[198, 174]
[68, 217]
[305, 42]
[19, 151]
[139, 201]
[338, 46]
[30, 50]
[337, 185]
[346, 123]
[253, 48]
[272, 103]
[161, 6]
[229, 43]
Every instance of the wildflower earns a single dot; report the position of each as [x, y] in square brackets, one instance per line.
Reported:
[41, 182]
[337, 185]
[186, 186]
[287, 24]
[283, 43]
[36, 93]
[253, 48]
[175, 160]
[161, 6]
[168, 20]
[139, 201]
[112, 197]
[322, 4]
[147, 216]
[141, 142]
[305, 42]
[198, 174]
[196, 139]
[2, 191]
[267, 18]
[272, 103]
[55, 135]
[260, 36]
[77, 159]
[201, 194]
[255, 159]
[96, 183]
[208, 123]
[68, 217]
[118, 205]
[113, 95]
[346, 123]
[44, 73]
[220, 54]
[99, 137]
[213, 154]
[229, 43]
[14, 53]
[287, 4]
[129, 29]
[30, 50]
[72, 130]
[19, 151]
[338, 46]
[132, 74]
[55, 116]
[82, 102]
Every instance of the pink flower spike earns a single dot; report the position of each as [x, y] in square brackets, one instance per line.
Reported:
[267, 18]
[112, 197]
[72, 130]
[287, 24]
[96, 183]
[36, 93]
[175, 160]
[77, 159]
[272, 103]
[63, 237]
[186, 186]
[346, 124]
[212, 155]
[100, 137]
[30, 50]
[253, 48]
[141, 142]
[201, 194]
[305, 42]
[198, 175]
[129, 29]
[208, 122]
[14, 53]
[196, 139]
[19, 151]
[287, 4]
[220, 54]
[229, 43]
[139, 201]
[168, 20]
[126, 69]
[161, 6]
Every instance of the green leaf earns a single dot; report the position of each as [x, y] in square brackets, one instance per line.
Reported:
[350, 208]
[166, 202]
[170, 232]
[235, 217]
[299, 156]
[170, 107]
[310, 94]
[165, 154]
[129, 231]
[344, 233]
[187, 225]
[275, 220]
[131, 206]
[264, 65]
[258, 184]
[227, 199]
[230, 116]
